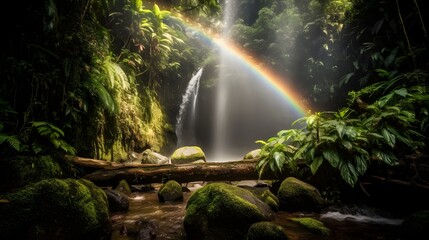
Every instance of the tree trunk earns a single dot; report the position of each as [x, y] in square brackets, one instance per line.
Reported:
[145, 173]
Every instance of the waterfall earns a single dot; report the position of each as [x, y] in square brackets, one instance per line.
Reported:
[186, 116]
[222, 92]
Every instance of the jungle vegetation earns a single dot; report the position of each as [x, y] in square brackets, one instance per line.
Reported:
[98, 78]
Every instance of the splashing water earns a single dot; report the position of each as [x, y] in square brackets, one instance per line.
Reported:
[189, 100]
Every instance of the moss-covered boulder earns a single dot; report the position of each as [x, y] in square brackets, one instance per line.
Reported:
[123, 187]
[187, 154]
[255, 154]
[265, 195]
[170, 191]
[222, 211]
[55, 209]
[266, 230]
[312, 225]
[296, 195]
[417, 224]
[19, 171]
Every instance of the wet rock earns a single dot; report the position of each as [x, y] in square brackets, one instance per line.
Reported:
[56, 209]
[117, 200]
[188, 154]
[296, 195]
[222, 211]
[170, 191]
[266, 230]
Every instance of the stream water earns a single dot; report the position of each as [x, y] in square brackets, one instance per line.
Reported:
[164, 221]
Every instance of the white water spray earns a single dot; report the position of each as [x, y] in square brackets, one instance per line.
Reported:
[189, 100]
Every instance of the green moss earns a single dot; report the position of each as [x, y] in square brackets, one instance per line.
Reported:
[265, 195]
[56, 208]
[296, 195]
[312, 225]
[227, 210]
[187, 154]
[19, 171]
[170, 191]
[123, 187]
[266, 230]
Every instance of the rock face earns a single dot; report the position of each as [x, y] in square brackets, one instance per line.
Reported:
[222, 211]
[56, 209]
[170, 191]
[296, 195]
[266, 230]
[188, 154]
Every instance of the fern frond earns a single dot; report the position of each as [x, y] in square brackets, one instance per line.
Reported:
[12, 140]
[97, 89]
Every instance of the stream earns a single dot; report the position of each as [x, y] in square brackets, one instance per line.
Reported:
[164, 221]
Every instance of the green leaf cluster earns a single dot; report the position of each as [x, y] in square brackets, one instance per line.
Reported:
[350, 140]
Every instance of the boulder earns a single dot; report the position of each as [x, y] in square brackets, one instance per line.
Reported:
[148, 156]
[56, 209]
[187, 154]
[222, 211]
[266, 230]
[296, 195]
[19, 171]
[312, 225]
[170, 191]
[123, 187]
[255, 154]
[151, 157]
[265, 195]
[117, 201]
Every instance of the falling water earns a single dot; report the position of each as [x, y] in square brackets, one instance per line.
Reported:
[220, 127]
[247, 108]
[186, 116]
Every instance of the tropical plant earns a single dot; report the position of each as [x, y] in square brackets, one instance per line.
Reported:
[351, 140]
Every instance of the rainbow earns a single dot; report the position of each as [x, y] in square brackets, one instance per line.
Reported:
[278, 84]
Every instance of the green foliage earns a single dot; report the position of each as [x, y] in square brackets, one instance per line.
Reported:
[55, 136]
[350, 140]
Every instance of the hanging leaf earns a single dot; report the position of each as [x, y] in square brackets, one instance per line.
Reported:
[388, 137]
[314, 166]
[332, 156]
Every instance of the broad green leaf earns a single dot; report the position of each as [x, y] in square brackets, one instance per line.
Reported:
[389, 137]
[280, 159]
[383, 100]
[314, 166]
[301, 150]
[401, 92]
[348, 145]
[385, 156]
[361, 164]
[340, 129]
[332, 156]
[348, 173]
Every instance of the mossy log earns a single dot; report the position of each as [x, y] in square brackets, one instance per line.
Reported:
[182, 173]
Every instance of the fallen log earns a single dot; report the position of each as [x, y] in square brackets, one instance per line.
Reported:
[92, 163]
[182, 173]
